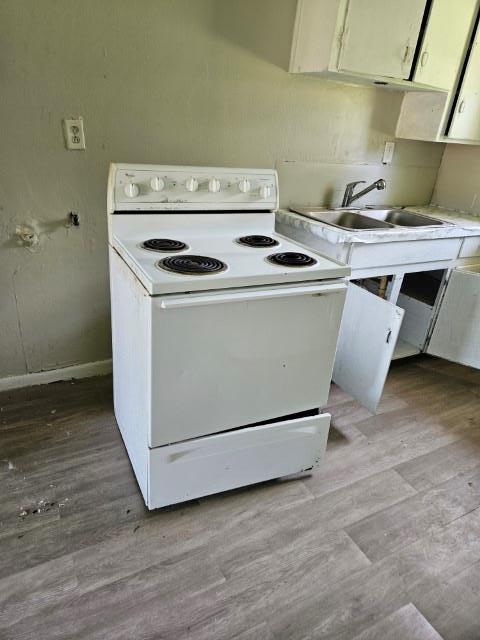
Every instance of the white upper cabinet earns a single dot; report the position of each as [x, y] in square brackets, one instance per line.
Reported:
[465, 123]
[444, 42]
[380, 37]
[412, 45]
[452, 116]
[361, 41]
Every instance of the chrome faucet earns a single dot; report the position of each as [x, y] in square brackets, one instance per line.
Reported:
[349, 197]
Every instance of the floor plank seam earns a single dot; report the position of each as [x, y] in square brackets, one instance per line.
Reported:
[463, 515]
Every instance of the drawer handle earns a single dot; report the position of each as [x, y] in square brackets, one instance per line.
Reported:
[406, 54]
[424, 58]
[461, 106]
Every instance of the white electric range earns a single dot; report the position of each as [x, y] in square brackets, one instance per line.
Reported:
[224, 332]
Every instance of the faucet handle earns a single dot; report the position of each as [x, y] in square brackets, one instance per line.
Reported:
[348, 195]
[352, 185]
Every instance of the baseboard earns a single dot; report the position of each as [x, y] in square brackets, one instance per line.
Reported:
[86, 370]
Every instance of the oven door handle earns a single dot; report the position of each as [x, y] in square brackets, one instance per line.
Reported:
[246, 296]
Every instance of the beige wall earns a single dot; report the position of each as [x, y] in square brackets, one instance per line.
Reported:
[166, 81]
[458, 184]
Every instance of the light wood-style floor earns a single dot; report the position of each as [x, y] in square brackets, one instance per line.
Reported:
[382, 543]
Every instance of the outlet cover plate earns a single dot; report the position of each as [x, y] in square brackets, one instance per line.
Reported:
[74, 134]
[388, 152]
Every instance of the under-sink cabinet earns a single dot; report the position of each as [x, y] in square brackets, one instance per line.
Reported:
[410, 291]
[455, 333]
[368, 335]
[410, 45]
[405, 313]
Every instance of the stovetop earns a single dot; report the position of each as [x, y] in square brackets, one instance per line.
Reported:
[207, 251]
[183, 229]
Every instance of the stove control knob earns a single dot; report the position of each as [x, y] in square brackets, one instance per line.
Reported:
[191, 184]
[265, 191]
[214, 185]
[131, 190]
[157, 183]
[244, 185]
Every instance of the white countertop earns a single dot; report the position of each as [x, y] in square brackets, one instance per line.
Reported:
[464, 220]
[462, 225]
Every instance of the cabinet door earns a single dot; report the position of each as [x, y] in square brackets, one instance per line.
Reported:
[444, 42]
[466, 119]
[456, 334]
[368, 335]
[380, 37]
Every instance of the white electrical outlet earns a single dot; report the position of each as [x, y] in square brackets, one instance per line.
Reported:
[388, 152]
[73, 131]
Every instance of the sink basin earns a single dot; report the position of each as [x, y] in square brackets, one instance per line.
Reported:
[402, 218]
[343, 219]
[368, 219]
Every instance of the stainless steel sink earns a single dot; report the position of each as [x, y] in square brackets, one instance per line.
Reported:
[343, 218]
[402, 217]
[370, 218]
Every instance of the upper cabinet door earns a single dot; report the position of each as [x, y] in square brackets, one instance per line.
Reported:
[368, 335]
[465, 123]
[456, 335]
[444, 42]
[380, 37]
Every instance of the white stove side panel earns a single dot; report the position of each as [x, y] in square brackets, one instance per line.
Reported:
[131, 328]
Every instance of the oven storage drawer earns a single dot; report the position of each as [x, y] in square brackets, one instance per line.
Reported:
[227, 359]
[224, 461]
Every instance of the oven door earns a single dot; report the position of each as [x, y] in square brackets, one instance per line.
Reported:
[228, 359]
